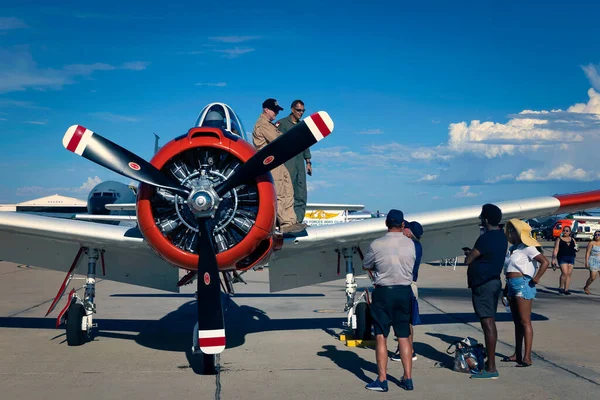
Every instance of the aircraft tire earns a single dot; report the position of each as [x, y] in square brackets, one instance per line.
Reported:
[75, 336]
[363, 322]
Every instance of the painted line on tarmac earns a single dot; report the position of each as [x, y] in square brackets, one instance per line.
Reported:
[509, 345]
[218, 377]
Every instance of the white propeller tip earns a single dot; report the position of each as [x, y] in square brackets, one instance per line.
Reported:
[76, 139]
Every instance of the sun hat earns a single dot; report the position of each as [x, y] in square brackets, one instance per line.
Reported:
[523, 230]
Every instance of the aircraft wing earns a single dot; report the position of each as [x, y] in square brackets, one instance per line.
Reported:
[335, 207]
[53, 243]
[109, 218]
[120, 207]
[313, 258]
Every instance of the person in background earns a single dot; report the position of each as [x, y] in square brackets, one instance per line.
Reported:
[485, 262]
[592, 260]
[563, 256]
[413, 230]
[392, 259]
[295, 165]
[522, 274]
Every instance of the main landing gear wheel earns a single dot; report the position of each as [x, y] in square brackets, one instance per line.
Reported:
[363, 322]
[75, 335]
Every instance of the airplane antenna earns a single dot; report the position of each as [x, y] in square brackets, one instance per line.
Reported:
[156, 137]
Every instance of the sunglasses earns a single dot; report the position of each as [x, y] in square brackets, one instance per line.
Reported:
[596, 234]
[299, 110]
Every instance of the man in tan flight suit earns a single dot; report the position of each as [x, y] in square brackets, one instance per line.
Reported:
[264, 133]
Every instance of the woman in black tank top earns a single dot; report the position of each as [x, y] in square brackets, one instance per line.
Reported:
[563, 256]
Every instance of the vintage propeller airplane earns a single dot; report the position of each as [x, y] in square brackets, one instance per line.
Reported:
[206, 204]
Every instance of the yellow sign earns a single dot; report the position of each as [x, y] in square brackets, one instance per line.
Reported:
[320, 214]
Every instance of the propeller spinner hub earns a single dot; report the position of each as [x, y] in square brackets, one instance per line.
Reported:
[202, 201]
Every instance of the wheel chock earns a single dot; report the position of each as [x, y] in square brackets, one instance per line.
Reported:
[351, 342]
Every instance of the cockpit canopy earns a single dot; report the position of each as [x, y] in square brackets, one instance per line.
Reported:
[220, 115]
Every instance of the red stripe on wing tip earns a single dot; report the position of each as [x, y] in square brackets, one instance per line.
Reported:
[579, 199]
[321, 125]
[76, 138]
[210, 342]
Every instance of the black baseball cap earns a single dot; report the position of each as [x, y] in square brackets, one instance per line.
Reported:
[272, 104]
[394, 218]
[491, 213]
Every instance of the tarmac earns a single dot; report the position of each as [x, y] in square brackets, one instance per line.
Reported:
[283, 345]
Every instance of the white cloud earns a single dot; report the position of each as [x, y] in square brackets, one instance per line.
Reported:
[90, 184]
[591, 107]
[110, 117]
[3, 119]
[35, 122]
[500, 178]
[233, 39]
[21, 104]
[191, 52]
[531, 146]
[18, 71]
[465, 192]
[211, 84]
[560, 173]
[312, 186]
[371, 132]
[235, 52]
[38, 191]
[529, 131]
[591, 71]
[427, 178]
[135, 65]
[9, 23]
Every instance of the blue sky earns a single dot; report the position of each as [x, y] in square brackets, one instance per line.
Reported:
[436, 105]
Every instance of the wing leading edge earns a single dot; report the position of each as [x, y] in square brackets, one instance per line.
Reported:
[53, 243]
[312, 258]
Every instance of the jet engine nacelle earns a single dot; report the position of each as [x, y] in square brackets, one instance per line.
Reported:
[244, 221]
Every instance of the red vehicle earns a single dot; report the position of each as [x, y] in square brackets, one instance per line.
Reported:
[560, 224]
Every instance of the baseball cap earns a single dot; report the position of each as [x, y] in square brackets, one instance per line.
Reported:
[416, 229]
[394, 218]
[491, 213]
[272, 104]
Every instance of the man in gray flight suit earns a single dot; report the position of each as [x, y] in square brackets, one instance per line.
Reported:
[295, 166]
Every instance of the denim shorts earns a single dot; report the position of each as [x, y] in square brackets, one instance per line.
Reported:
[519, 287]
[566, 260]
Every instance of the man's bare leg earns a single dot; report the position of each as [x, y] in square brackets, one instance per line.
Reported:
[381, 354]
[491, 336]
[406, 351]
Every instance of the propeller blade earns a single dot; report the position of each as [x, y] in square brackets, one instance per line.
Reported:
[306, 133]
[211, 327]
[95, 148]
